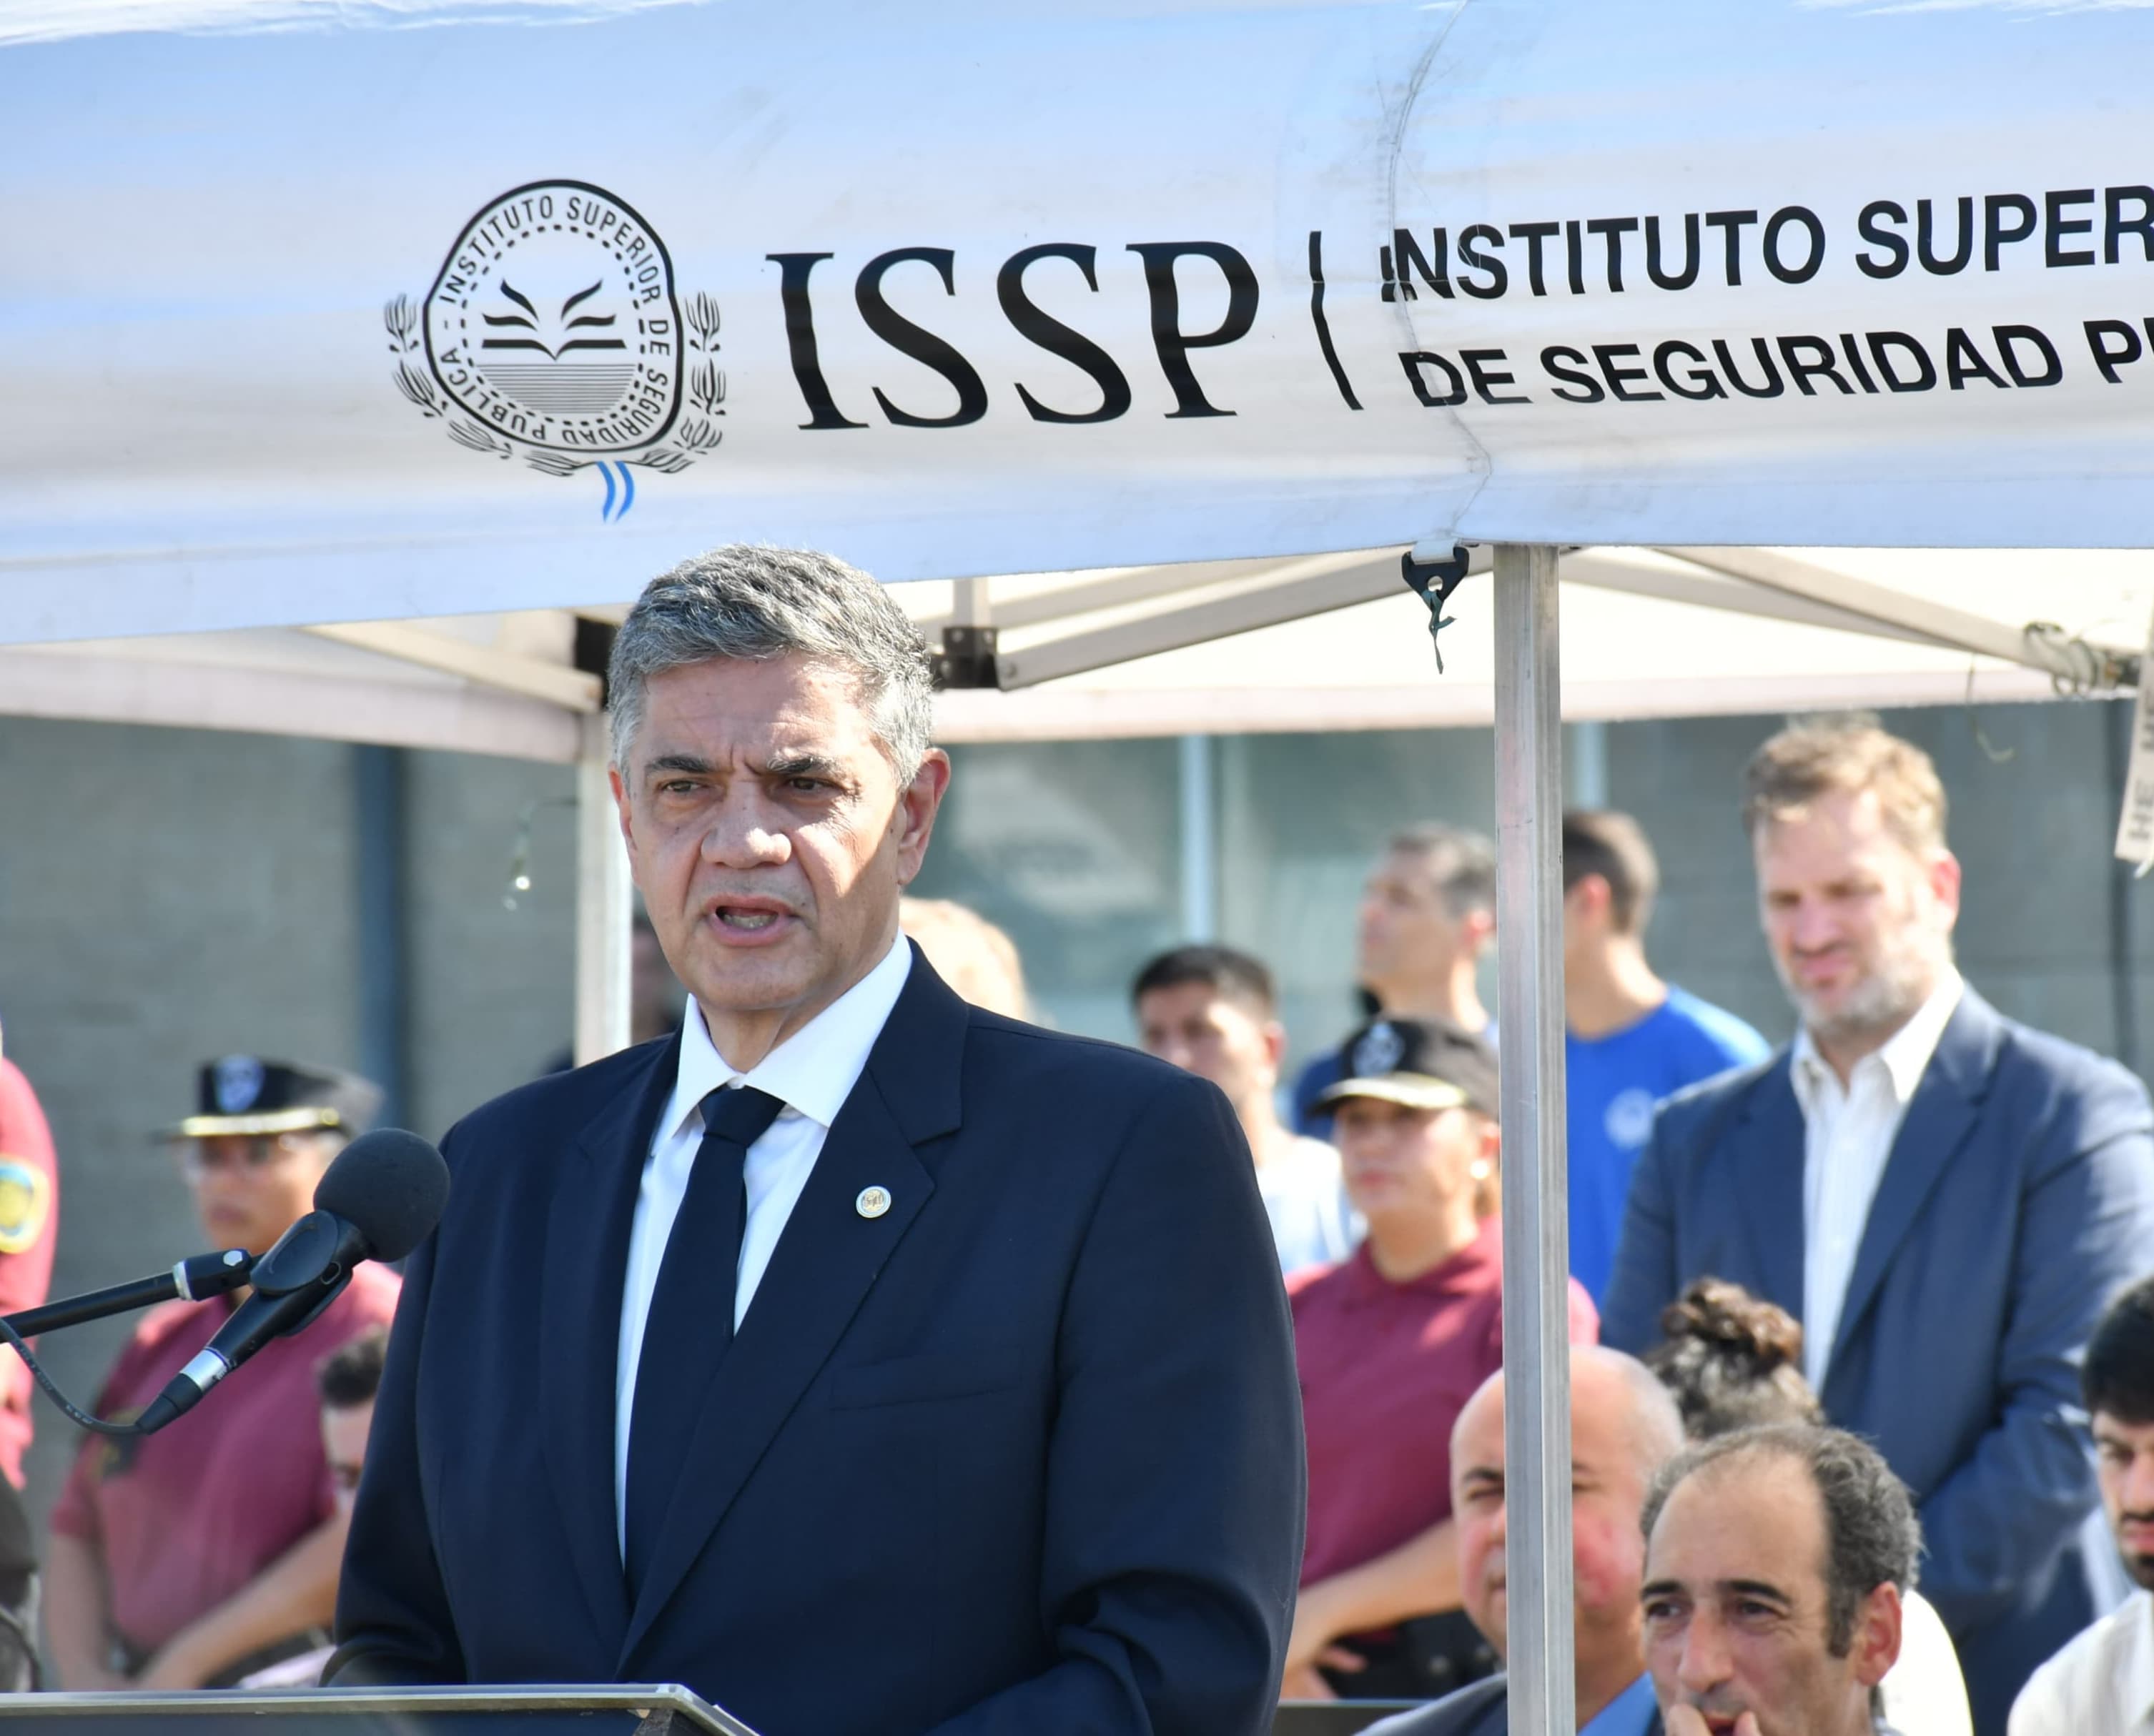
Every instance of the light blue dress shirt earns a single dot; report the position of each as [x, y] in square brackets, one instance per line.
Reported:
[1630, 1713]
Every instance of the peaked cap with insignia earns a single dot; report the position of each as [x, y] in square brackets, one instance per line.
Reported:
[1422, 1063]
[245, 1094]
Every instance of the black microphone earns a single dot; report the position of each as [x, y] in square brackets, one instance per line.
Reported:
[379, 1199]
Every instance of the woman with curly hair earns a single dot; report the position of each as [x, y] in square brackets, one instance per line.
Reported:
[1732, 1361]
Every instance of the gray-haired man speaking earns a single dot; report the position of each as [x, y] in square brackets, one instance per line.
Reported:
[869, 1362]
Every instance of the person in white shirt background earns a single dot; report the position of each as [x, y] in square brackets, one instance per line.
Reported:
[2102, 1683]
[1213, 1011]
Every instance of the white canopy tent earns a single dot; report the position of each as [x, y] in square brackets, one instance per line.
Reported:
[334, 313]
[1333, 642]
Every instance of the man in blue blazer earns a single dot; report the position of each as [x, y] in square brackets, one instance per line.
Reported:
[868, 1363]
[1944, 1198]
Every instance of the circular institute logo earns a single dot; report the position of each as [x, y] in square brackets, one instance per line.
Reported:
[555, 330]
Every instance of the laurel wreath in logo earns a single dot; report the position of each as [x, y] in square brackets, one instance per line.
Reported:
[694, 436]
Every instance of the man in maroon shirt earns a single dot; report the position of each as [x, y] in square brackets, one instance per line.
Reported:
[1391, 1343]
[189, 1558]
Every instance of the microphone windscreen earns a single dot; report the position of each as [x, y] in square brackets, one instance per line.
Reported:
[390, 1186]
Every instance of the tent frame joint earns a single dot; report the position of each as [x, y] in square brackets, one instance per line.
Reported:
[969, 658]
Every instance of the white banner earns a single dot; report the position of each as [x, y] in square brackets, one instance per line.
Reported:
[315, 312]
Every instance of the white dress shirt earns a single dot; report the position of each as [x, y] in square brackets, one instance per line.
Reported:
[2101, 1684]
[1312, 1221]
[1848, 1133]
[1925, 1693]
[813, 1072]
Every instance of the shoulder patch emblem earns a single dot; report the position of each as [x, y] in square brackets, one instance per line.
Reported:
[26, 1200]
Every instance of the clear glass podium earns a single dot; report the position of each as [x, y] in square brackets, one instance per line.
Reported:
[566, 1711]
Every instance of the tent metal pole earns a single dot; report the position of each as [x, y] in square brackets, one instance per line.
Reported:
[381, 806]
[1200, 841]
[603, 905]
[1536, 1218]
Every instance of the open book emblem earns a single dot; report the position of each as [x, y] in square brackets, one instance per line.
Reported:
[555, 333]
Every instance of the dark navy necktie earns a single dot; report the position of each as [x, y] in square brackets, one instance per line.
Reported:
[691, 1322]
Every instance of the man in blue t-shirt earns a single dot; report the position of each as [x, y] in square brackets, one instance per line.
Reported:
[1633, 1039]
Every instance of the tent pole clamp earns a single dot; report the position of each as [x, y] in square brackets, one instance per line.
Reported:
[2076, 668]
[1433, 582]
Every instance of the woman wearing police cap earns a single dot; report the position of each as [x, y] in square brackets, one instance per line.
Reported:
[1391, 1343]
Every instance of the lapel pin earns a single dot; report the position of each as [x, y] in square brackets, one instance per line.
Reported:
[872, 1202]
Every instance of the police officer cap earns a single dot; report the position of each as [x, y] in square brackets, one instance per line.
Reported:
[1422, 1063]
[247, 1094]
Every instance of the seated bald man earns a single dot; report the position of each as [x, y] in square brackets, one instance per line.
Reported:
[1624, 1427]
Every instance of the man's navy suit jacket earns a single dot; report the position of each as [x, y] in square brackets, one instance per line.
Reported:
[1022, 1456]
[2018, 1199]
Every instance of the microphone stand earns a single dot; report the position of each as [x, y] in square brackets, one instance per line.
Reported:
[193, 1280]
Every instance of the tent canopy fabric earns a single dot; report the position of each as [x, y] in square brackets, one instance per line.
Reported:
[498, 685]
[320, 316]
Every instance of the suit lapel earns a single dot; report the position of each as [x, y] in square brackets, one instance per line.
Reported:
[584, 1276]
[1940, 1116]
[825, 1263]
[1768, 1185]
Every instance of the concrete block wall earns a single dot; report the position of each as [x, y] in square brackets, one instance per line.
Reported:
[492, 989]
[167, 896]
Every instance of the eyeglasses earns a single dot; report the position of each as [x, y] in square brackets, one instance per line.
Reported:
[243, 1153]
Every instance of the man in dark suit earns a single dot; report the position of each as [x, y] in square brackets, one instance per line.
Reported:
[870, 1364]
[1944, 1198]
[1624, 1428]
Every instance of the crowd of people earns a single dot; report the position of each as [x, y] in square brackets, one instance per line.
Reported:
[1841, 1314]
[1874, 1260]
